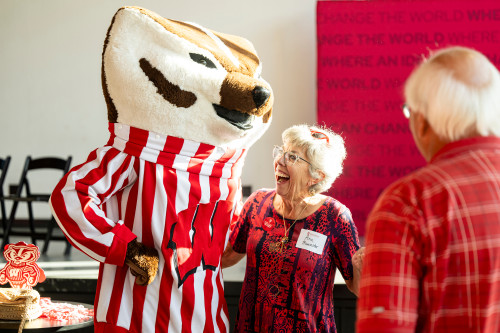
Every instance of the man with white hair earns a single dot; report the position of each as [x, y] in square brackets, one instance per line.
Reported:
[432, 256]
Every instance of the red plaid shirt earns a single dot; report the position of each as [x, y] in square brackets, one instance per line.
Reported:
[432, 259]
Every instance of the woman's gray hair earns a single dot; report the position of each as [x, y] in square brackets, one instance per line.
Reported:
[324, 149]
[458, 91]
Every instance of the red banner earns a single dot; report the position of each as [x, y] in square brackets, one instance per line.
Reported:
[366, 50]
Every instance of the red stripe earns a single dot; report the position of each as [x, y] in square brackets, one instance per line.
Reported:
[139, 296]
[221, 307]
[83, 185]
[116, 176]
[208, 291]
[171, 148]
[57, 199]
[163, 314]
[167, 279]
[112, 136]
[187, 305]
[194, 168]
[138, 139]
[121, 273]
[221, 163]
[72, 228]
[98, 289]
[116, 295]
[119, 198]
[204, 151]
[131, 205]
[148, 198]
[214, 189]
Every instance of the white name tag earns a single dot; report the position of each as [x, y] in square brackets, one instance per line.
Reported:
[311, 240]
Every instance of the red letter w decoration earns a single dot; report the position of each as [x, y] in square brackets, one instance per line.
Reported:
[197, 238]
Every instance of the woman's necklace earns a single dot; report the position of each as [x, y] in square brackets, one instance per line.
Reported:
[275, 287]
[281, 244]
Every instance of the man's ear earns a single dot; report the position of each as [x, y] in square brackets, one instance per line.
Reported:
[428, 142]
[422, 127]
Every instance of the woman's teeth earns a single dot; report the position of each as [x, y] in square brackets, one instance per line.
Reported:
[281, 177]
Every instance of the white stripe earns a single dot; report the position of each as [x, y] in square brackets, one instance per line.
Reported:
[224, 189]
[112, 208]
[137, 227]
[122, 133]
[70, 198]
[159, 208]
[181, 163]
[223, 315]
[127, 303]
[219, 43]
[175, 322]
[215, 301]
[157, 229]
[182, 159]
[153, 147]
[182, 193]
[199, 318]
[226, 171]
[206, 171]
[226, 174]
[153, 300]
[108, 278]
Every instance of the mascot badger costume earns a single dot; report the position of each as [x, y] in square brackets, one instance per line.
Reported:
[155, 203]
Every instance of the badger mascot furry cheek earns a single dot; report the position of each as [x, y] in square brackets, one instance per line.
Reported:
[154, 204]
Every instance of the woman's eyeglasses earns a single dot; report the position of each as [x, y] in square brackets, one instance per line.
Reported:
[290, 158]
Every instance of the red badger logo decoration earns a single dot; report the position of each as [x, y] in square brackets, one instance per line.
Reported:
[184, 105]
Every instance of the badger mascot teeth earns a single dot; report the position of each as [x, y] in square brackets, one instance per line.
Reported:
[154, 204]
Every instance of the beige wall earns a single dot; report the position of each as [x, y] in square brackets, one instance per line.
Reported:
[51, 101]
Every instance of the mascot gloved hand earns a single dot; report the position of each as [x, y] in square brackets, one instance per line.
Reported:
[143, 262]
[154, 204]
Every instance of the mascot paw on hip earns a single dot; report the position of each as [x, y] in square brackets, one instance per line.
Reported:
[154, 204]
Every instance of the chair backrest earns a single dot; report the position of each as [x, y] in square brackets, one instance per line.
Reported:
[47, 163]
[4, 166]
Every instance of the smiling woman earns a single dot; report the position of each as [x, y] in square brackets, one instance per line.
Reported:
[295, 238]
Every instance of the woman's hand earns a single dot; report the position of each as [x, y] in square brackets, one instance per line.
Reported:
[357, 259]
[357, 263]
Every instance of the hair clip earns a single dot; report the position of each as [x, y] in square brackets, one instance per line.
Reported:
[320, 135]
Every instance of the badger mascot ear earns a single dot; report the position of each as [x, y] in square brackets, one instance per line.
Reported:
[155, 203]
[181, 79]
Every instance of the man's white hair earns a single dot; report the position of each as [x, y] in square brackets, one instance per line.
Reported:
[458, 91]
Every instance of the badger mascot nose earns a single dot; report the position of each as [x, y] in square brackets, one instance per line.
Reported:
[260, 96]
[153, 205]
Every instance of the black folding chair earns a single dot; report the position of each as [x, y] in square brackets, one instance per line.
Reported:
[30, 166]
[4, 166]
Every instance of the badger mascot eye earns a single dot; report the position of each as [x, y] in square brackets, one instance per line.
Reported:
[201, 59]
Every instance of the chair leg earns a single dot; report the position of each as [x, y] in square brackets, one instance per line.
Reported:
[31, 223]
[68, 248]
[4, 215]
[8, 228]
[48, 236]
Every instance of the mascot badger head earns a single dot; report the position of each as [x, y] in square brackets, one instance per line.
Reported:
[180, 79]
